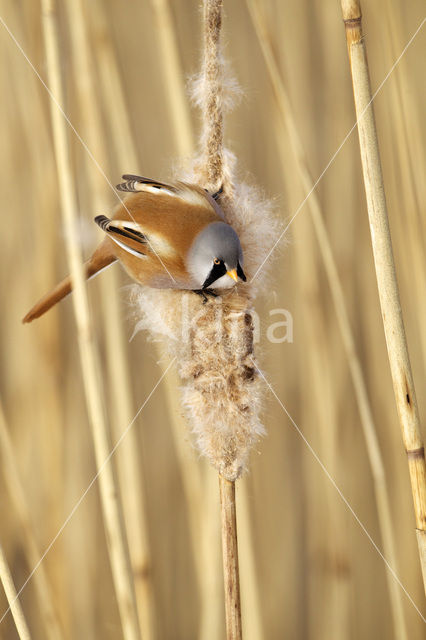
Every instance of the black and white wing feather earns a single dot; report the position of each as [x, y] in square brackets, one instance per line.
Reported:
[126, 234]
[133, 184]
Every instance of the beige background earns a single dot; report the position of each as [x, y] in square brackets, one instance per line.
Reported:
[317, 575]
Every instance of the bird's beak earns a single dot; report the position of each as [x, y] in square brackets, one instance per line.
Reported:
[232, 274]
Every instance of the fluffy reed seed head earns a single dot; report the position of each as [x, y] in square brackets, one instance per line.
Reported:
[222, 390]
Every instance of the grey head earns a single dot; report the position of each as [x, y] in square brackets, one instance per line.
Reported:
[215, 259]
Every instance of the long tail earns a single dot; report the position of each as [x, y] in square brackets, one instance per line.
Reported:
[101, 258]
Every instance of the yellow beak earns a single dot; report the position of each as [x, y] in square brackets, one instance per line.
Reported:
[232, 274]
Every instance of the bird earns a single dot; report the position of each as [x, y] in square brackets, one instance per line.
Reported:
[166, 236]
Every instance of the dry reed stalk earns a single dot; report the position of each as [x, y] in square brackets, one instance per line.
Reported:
[12, 598]
[173, 80]
[111, 506]
[360, 388]
[214, 173]
[16, 493]
[230, 559]
[128, 459]
[42, 347]
[385, 271]
[212, 140]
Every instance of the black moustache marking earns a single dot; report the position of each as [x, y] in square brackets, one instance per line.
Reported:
[217, 272]
[240, 273]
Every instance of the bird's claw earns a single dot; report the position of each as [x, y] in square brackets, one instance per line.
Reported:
[204, 293]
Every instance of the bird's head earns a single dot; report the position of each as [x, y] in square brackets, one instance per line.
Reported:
[215, 258]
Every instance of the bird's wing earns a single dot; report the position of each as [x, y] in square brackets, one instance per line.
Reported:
[126, 234]
[190, 194]
[130, 236]
[133, 184]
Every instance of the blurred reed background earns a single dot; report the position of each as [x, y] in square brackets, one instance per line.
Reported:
[307, 568]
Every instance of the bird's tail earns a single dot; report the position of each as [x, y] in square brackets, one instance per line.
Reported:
[100, 259]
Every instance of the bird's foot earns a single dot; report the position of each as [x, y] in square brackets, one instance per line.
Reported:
[204, 293]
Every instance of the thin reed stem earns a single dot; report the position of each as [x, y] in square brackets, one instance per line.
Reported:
[212, 139]
[12, 598]
[385, 271]
[212, 103]
[111, 506]
[18, 499]
[128, 458]
[359, 384]
[230, 559]
[173, 78]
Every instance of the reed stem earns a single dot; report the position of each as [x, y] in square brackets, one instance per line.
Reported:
[230, 559]
[110, 501]
[128, 459]
[385, 271]
[12, 598]
[212, 103]
[212, 138]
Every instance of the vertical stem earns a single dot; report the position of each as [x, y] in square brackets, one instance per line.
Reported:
[385, 271]
[213, 116]
[213, 169]
[110, 500]
[128, 460]
[12, 598]
[230, 559]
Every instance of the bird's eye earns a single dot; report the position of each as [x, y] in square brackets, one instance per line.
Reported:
[216, 261]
